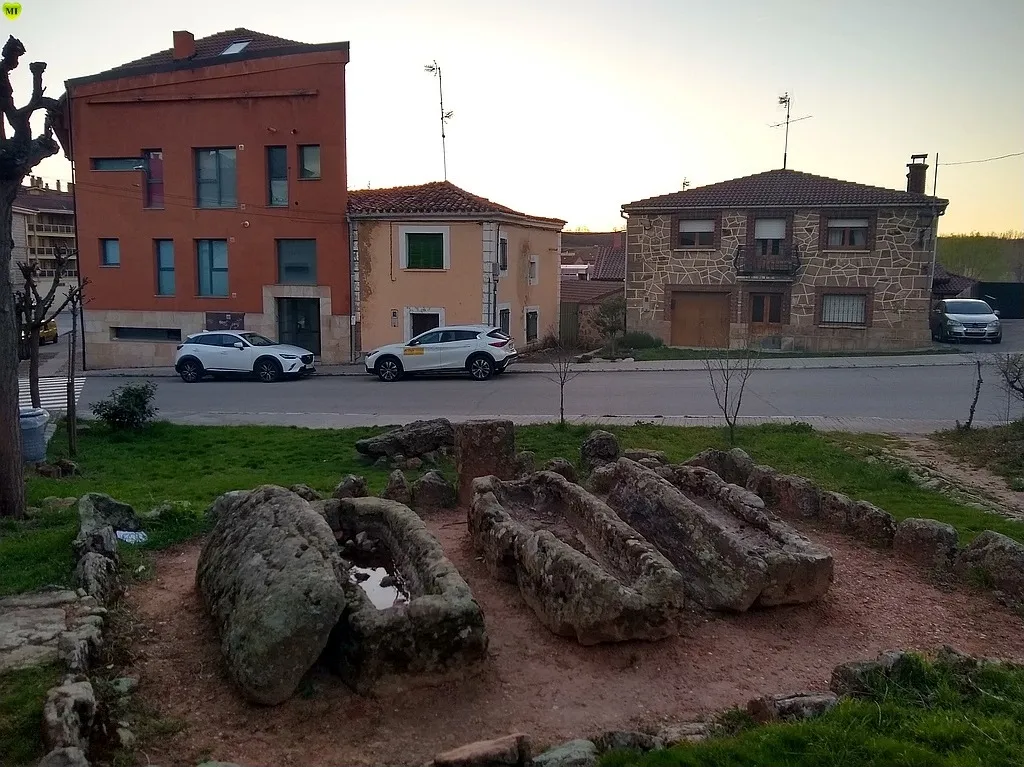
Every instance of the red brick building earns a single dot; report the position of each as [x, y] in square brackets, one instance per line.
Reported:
[211, 193]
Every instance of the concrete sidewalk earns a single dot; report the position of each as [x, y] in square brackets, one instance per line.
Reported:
[788, 363]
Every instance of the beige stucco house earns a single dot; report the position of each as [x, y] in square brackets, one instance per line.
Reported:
[784, 259]
[434, 254]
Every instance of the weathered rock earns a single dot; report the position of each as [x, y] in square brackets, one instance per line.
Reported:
[413, 439]
[734, 466]
[509, 751]
[686, 732]
[927, 541]
[483, 449]
[306, 493]
[350, 486]
[398, 488]
[835, 509]
[635, 454]
[433, 491]
[96, 511]
[791, 708]
[125, 737]
[858, 518]
[788, 495]
[440, 627]
[224, 503]
[563, 467]
[575, 753]
[68, 715]
[124, 685]
[97, 574]
[272, 578]
[412, 464]
[856, 677]
[537, 532]
[995, 560]
[79, 647]
[650, 463]
[64, 757]
[732, 553]
[101, 541]
[626, 740]
[599, 448]
[31, 626]
[526, 463]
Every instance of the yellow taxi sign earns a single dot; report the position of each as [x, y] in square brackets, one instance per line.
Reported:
[412, 350]
[12, 10]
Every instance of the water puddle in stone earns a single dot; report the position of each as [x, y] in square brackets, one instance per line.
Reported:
[377, 576]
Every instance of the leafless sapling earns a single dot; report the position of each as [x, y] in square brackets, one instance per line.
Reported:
[563, 370]
[729, 370]
[76, 300]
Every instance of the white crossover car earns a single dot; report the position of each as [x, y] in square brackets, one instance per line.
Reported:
[220, 352]
[480, 350]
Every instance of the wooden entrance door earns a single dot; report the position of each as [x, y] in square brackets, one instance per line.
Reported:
[700, 319]
[765, 311]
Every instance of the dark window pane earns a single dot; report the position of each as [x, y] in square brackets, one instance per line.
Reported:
[165, 268]
[117, 163]
[213, 267]
[705, 239]
[688, 239]
[216, 181]
[531, 326]
[110, 252]
[429, 339]
[148, 334]
[775, 308]
[228, 182]
[422, 322]
[277, 162]
[296, 262]
[757, 308]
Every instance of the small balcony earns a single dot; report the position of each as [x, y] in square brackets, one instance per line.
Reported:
[752, 266]
[53, 230]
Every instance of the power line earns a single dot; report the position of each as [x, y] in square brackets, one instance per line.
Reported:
[987, 159]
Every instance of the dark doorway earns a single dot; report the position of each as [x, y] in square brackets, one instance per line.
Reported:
[298, 322]
[421, 322]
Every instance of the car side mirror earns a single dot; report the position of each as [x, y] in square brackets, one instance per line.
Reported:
[413, 343]
[238, 345]
[995, 312]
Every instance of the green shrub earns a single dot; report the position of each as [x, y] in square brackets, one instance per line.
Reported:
[128, 408]
[638, 339]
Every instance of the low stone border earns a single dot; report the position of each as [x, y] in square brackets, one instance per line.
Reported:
[992, 559]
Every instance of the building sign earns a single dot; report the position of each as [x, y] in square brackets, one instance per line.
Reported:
[225, 320]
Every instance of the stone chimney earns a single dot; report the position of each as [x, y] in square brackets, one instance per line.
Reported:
[58, 185]
[616, 239]
[917, 173]
[184, 45]
[71, 188]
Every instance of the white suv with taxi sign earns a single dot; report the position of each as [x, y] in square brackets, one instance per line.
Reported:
[480, 350]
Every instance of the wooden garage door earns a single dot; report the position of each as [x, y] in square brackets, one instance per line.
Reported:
[700, 319]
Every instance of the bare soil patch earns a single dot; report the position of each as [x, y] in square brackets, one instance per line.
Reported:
[538, 683]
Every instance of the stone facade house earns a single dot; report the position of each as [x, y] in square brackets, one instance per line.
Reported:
[784, 259]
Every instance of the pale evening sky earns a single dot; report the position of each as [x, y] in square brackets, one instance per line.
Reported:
[570, 108]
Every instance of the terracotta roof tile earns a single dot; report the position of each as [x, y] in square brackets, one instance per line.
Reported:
[610, 264]
[588, 291]
[435, 198]
[48, 199]
[949, 283]
[783, 188]
[208, 48]
[573, 240]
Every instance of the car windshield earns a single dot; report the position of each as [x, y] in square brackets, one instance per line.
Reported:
[968, 307]
[257, 340]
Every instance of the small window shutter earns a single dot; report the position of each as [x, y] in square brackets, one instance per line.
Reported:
[770, 229]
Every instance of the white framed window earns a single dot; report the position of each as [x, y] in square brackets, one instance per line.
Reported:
[696, 234]
[844, 309]
[420, 319]
[534, 273]
[503, 252]
[424, 248]
[531, 323]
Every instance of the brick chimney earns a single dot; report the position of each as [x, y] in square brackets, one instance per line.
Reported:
[58, 185]
[917, 173]
[616, 239]
[71, 188]
[184, 45]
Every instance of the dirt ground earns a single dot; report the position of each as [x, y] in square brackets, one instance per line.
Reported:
[534, 682]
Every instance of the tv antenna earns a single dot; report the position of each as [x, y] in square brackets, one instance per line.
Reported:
[435, 70]
[786, 101]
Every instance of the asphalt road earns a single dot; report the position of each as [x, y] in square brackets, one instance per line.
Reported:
[899, 400]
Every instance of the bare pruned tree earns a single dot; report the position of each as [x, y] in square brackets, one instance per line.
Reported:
[563, 370]
[39, 304]
[729, 370]
[76, 300]
[19, 154]
[978, 381]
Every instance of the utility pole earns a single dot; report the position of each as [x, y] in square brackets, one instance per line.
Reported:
[435, 69]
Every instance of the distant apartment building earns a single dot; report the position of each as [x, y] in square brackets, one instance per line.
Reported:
[211, 193]
[43, 224]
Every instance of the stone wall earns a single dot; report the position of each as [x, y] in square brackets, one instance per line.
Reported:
[894, 273]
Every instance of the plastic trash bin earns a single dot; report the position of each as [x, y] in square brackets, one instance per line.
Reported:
[33, 434]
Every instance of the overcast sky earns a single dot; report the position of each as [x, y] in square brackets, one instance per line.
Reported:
[571, 108]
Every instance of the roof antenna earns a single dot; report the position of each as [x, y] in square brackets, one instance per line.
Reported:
[435, 70]
[785, 100]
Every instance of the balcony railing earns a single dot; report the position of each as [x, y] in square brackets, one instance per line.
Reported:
[752, 264]
[66, 229]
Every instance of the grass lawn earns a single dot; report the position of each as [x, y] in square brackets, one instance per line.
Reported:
[925, 716]
[22, 695]
[1000, 449]
[673, 353]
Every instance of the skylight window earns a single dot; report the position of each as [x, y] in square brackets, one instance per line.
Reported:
[235, 47]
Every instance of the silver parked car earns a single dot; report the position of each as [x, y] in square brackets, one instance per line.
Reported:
[965, 319]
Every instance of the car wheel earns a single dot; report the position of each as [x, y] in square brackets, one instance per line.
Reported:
[267, 370]
[481, 367]
[388, 369]
[190, 370]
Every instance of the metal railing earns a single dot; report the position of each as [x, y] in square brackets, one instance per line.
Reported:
[750, 262]
[51, 229]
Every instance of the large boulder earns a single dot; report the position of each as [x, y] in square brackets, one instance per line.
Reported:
[995, 560]
[98, 575]
[860, 519]
[415, 439]
[398, 488]
[791, 708]
[433, 491]
[732, 552]
[599, 448]
[306, 493]
[68, 715]
[96, 511]
[223, 503]
[734, 466]
[351, 486]
[483, 449]
[271, 576]
[575, 753]
[927, 541]
[858, 678]
[563, 467]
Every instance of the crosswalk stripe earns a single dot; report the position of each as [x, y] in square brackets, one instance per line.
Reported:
[53, 392]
